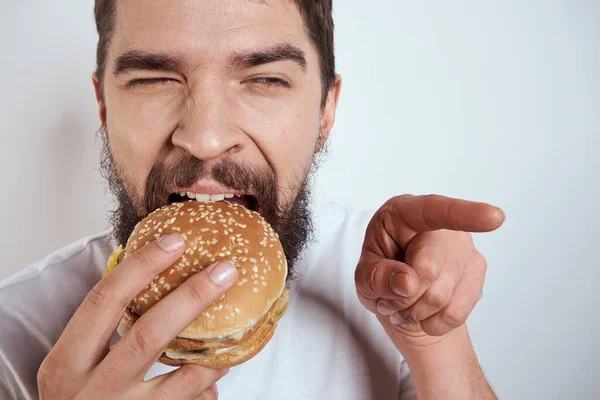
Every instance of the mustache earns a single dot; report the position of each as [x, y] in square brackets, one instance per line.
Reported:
[238, 175]
[292, 220]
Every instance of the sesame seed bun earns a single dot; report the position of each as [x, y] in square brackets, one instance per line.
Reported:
[242, 321]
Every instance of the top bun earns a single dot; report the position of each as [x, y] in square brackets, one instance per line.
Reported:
[213, 232]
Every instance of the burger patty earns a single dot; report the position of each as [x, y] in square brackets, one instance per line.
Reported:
[180, 343]
[274, 313]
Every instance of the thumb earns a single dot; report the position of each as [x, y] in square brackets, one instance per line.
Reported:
[381, 278]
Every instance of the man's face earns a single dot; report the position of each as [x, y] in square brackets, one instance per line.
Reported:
[214, 96]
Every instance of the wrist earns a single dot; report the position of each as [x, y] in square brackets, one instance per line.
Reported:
[442, 366]
[414, 341]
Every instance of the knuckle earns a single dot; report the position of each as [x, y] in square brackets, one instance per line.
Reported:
[428, 268]
[453, 317]
[481, 261]
[100, 293]
[428, 203]
[365, 276]
[195, 292]
[437, 299]
[140, 258]
[141, 338]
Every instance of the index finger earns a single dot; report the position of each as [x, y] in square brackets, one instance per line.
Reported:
[435, 212]
[149, 335]
[88, 333]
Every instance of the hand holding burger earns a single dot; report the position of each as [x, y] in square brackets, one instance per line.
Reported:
[81, 365]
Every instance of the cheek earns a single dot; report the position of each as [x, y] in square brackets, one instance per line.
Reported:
[285, 131]
[138, 128]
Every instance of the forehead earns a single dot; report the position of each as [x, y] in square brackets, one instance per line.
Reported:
[206, 28]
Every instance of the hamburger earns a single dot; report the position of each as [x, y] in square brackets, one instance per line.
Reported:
[237, 326]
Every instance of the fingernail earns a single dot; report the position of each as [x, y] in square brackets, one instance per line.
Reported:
[399, 283]
[384, 309]
[396, 319]
[170, 243]
[222, 273]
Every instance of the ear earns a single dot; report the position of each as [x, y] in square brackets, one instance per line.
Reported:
[328, 113]
[99, 99]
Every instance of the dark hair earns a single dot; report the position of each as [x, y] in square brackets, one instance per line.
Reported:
[315, 13]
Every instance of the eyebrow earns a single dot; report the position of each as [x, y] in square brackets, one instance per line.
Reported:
[140, 60]
[280, 52]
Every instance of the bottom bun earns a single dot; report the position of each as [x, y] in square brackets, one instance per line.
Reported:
[213, 356]
[227, 359]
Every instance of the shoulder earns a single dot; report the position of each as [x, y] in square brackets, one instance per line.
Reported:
[62, 261]
[51, 288]
[36, 305]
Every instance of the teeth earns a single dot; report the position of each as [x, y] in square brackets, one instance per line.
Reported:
[209, 197]
[216, 197]
[203, 197]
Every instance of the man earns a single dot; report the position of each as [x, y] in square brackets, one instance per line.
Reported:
[212, 97]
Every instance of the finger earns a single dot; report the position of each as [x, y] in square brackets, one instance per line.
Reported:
[153, 331]
[467, 294]
[437, 259]
[211, 394]
[407, 215]
[426, 256]
[87, 335]
[187, 382]
[377, 277]
[435, 298]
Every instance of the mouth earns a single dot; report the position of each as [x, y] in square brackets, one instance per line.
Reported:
[247, 200]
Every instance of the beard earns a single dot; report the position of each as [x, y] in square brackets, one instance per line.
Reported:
[291, 218]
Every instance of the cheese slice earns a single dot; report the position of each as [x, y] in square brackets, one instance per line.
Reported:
[113, 260]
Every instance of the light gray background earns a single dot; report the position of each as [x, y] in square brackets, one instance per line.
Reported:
[492, 101]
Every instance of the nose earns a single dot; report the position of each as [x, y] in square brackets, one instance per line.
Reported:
[207, 129]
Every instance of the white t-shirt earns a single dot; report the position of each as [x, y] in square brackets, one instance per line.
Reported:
[327, 346]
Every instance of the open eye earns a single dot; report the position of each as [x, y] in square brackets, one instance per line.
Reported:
[149, 81]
